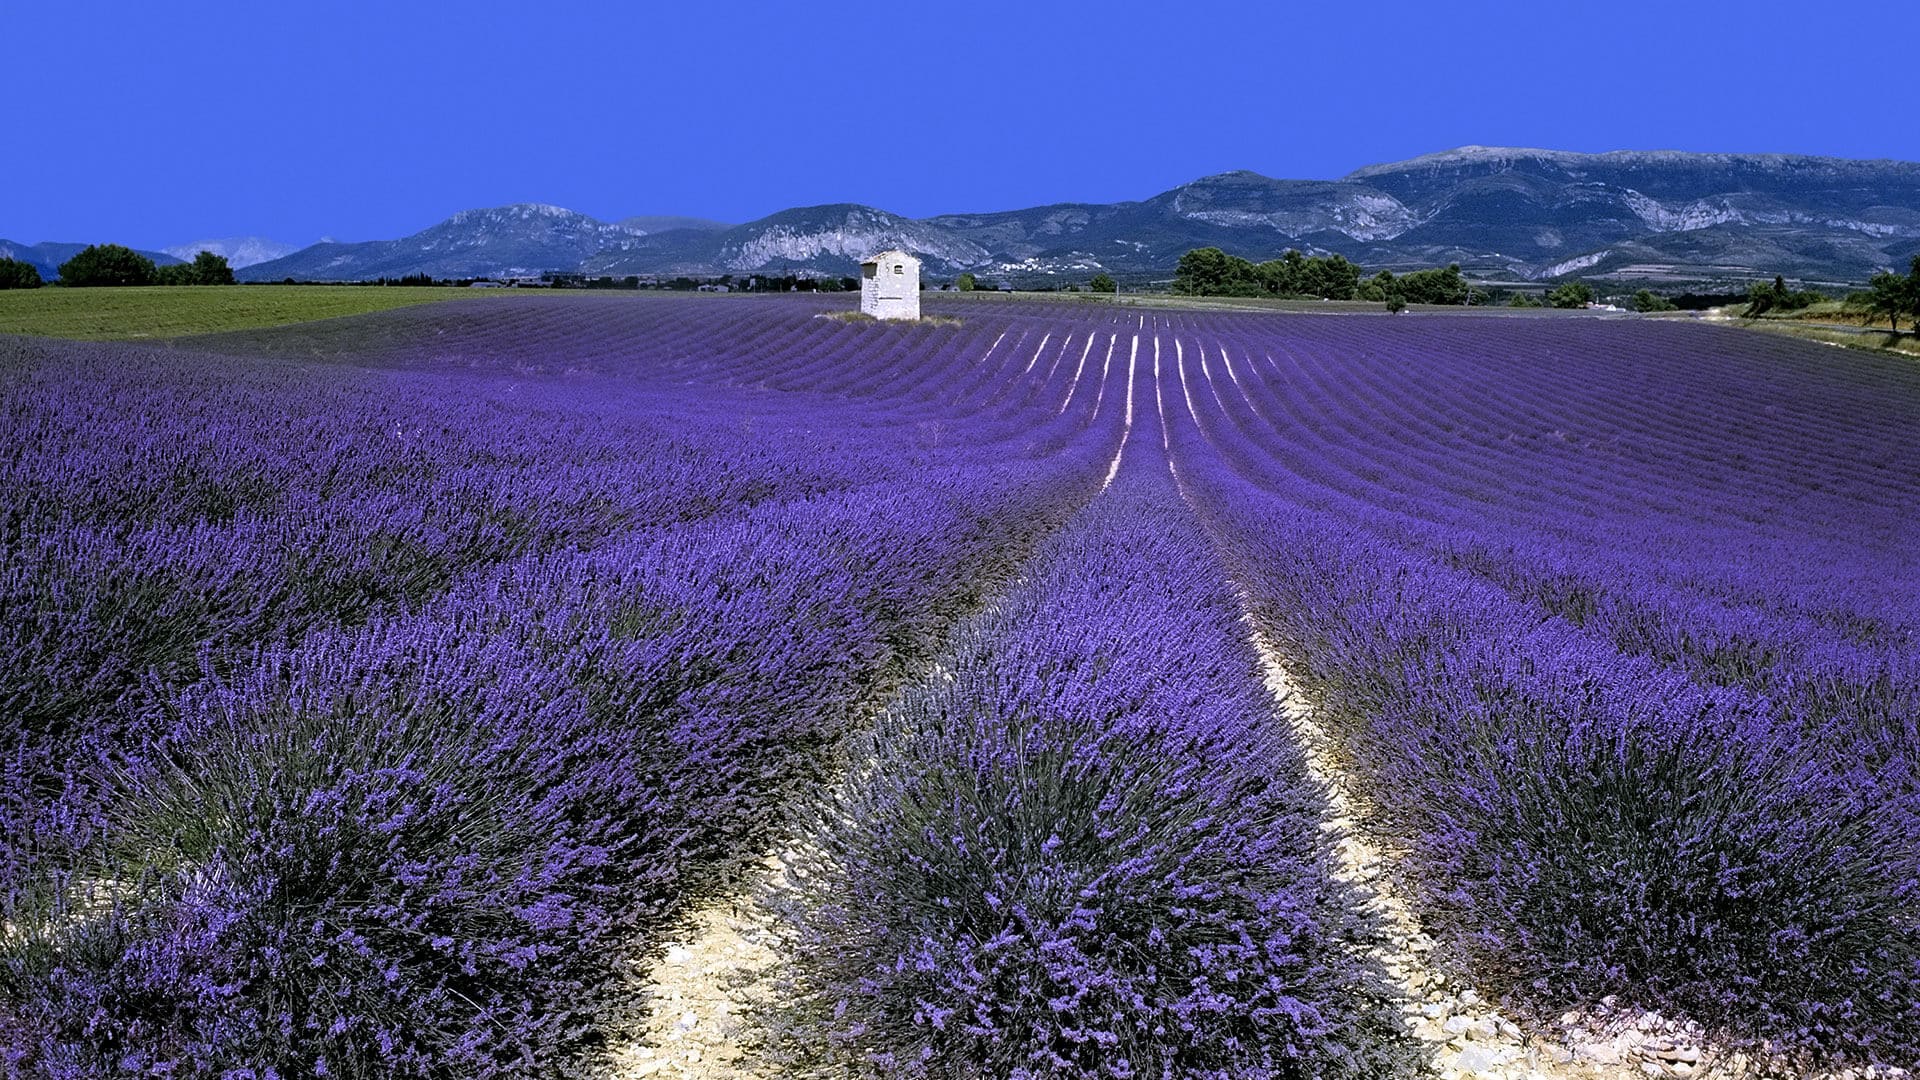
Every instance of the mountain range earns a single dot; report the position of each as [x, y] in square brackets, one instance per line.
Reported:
[239, 251]
[1647, 217]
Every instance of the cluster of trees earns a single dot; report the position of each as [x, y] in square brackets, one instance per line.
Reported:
[1212, 272]
[15, 274]
[1209, 271]
[1646, 300]
[107, 264]
[1888, 295]
[205, 269]
[112, 264]
[1419, 287]
[1763, 298]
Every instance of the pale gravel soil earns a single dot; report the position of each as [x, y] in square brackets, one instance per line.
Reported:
[702, 993]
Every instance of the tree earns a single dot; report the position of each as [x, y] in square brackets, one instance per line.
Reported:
[965, 283]
[1913, 290]
[1103, 283]
[107, 264]
[211, 269]
[1396, 304]
[1891, 295]
[1571, 295]
[15, 274]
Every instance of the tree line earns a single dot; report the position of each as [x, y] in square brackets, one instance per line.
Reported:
[112, 264]
[1888, 295]
[1210, 271]
[1578, 294]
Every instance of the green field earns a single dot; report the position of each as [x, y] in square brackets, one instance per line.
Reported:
[164, 312]
[1879, 339]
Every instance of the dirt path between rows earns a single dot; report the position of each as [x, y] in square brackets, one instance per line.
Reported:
[703, 992]
[724, 967]
[1467, 1035]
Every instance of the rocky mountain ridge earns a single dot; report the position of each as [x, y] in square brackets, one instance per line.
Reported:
[1502, 213]
[239, 251]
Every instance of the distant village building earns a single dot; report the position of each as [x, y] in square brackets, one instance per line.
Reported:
[890, 285]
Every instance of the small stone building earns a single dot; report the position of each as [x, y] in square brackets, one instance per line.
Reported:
[890, 285]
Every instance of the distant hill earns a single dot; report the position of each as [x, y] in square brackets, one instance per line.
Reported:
[525, 238]
[47, 257]
[239, 251]
[1660, 216]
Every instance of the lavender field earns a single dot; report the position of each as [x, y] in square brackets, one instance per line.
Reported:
[375, 693]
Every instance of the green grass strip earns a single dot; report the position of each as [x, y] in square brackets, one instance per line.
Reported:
[121, 314]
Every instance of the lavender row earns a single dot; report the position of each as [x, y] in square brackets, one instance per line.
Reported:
[159, 507]
[1820, 654]
[1592, 813]
[1084, 847]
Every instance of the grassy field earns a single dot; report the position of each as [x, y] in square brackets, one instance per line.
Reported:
[1880, 339]
[159, 312]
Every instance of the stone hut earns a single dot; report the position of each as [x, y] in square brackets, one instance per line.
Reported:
[890, 285]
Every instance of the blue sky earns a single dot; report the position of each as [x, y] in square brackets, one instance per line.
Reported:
[154, 124]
